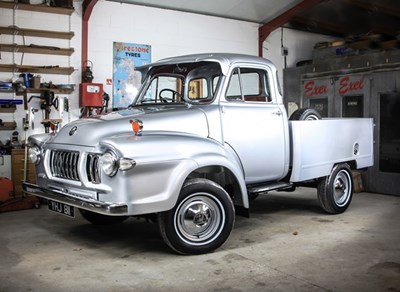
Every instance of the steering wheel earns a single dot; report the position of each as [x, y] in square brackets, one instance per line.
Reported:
[175, 94]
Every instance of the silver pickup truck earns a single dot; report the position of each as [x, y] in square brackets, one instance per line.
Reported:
[204, 134]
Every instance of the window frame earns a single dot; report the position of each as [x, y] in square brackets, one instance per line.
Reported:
[264, 95]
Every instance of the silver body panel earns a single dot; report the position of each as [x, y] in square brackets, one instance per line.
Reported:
[244, 143]
[313, 142]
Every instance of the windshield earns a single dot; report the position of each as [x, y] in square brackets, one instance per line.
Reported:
[178, 83]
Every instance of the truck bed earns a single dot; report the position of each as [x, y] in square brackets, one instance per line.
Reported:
[317, 145]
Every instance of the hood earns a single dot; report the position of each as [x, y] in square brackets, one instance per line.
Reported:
[88, 132]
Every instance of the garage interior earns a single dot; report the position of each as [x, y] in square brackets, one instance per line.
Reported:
[341, 57]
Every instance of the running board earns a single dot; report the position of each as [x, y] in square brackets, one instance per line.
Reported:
[269, 187]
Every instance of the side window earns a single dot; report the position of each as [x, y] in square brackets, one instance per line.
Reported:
[249, 84]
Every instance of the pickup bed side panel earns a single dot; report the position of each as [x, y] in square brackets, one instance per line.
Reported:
[318, 145]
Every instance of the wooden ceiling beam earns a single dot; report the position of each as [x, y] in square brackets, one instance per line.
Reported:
[337, 29]
[328, 28]
[376, 6]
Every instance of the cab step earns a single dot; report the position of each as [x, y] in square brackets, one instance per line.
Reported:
[262, 188]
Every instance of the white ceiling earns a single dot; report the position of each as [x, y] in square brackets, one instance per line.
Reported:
[259, 11]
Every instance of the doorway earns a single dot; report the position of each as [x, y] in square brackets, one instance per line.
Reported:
[389, 136]
[384, 176]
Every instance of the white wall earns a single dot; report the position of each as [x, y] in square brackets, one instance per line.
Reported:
[300, 47]
[170, 33]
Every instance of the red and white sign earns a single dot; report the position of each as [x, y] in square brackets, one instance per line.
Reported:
[343, 86]
[349, 84]
[314, 88]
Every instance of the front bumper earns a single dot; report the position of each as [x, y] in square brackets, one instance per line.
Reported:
[111, 209]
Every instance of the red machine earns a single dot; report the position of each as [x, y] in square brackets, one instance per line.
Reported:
[6, 189]
[91, 94]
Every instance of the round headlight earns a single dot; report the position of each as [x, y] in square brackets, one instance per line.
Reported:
[34, 154]
[109, 163]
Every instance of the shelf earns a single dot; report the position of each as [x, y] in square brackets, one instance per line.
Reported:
[37, 33]
[4, 90]
[40, 90]
[8, 109]
[8, 126]
[36, 69]
[36, 49]
[37, 8]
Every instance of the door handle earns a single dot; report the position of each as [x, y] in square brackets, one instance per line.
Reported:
[278, 113]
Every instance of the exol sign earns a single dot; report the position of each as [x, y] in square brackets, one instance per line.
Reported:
[312, 89]
[346, 84]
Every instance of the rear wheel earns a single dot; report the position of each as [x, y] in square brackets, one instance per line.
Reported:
[201, 220]
[100, 219]
[336, 190]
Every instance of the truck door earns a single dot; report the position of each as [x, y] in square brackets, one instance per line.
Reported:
[253, 124]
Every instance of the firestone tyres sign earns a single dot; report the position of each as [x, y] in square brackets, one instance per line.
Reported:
[126, 80]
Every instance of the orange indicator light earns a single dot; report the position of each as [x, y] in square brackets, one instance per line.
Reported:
[137, 127]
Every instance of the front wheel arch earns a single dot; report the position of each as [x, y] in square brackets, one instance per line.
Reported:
[224, 177]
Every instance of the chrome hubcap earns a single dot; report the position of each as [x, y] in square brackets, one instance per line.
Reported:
[342, 190]
[199, 219]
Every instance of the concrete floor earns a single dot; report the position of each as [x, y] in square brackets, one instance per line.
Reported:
[287, 245]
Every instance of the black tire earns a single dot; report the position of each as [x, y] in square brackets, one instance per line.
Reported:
[201, 220]
[336, 190]
[302, 114]
[99, 219]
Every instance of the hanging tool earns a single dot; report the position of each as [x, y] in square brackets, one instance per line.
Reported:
[32, 117]
[47, 100]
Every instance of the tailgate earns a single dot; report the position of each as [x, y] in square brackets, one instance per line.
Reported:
[317, 145]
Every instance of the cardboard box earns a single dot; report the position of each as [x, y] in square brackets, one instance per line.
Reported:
[357, 182]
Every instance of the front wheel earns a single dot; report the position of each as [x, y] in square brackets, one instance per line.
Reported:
[336, 190]
[201, 220]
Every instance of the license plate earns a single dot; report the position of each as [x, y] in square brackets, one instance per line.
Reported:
[61, 208]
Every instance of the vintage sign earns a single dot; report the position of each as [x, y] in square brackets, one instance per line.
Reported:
[349, 84]
[315, 88]
[343, 85]
[126, 80]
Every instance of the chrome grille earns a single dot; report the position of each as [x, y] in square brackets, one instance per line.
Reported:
[92, 168]
[64, 164]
